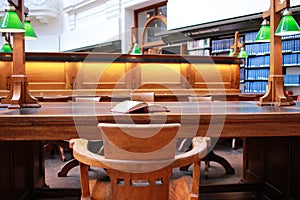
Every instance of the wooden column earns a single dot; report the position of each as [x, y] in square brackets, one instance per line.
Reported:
[236, 45]
[275, 94]
[19, 95]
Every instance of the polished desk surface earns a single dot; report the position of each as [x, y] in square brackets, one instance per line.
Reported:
[63, 120]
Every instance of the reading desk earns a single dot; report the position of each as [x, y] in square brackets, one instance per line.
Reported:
[271, 147]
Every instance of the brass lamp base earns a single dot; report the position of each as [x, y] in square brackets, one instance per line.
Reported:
[19, 96]
[276, 95]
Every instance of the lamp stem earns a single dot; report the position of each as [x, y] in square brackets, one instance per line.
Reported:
[275, 43]
[275, 94]
[133, 39]
[19, 95]
[19, 45]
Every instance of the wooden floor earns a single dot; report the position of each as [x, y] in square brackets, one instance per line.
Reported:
[216, 174]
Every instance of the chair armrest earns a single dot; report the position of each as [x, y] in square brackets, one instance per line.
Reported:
[83, 155]
[198, 151]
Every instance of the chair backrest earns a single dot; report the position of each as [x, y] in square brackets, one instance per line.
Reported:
[139, 141]
[145, 152]
[142, 96]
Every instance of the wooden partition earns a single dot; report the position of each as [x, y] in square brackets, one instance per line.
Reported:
[51, 74]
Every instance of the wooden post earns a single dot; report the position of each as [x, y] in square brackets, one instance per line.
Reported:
[275, 94]
[236, 45]
[19, 95]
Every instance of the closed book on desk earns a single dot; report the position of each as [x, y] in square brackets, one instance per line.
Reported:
[130, 106]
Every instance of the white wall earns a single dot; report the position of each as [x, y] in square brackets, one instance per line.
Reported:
[191, 12]
[45, 19]
[48, 36]
[89, 23]
[83, 23]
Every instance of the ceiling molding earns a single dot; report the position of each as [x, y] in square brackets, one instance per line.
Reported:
[43, 10]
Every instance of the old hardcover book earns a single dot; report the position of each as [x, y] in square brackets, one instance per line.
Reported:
[130, 106]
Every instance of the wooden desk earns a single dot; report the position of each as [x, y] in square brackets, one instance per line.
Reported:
[242, 119]
[270, 152]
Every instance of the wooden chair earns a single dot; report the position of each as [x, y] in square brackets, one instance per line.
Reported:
[142, 96]
[63, 172]
[139, 159]
[211, 156]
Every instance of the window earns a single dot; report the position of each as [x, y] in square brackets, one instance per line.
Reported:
[155, 26]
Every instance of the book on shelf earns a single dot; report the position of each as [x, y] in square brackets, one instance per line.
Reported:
[130, 106]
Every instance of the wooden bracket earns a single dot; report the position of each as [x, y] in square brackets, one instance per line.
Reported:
[236, 45]
[276, 95]
[276, 6]
[19, 97]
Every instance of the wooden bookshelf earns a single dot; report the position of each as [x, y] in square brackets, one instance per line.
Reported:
[52, 74]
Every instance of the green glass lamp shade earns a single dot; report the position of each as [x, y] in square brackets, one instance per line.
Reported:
[6, 48]
[11, 22]
[136, 50]
[287, 25]
[231, 53]
[263, 34]
[29, 33]
[243, 53]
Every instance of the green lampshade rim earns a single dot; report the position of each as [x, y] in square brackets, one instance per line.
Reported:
[263, 34]
[29, 33]
[287, 26]
[30, 38]
[242, 54]
[11, 22]
[136, 50]
[6, 48]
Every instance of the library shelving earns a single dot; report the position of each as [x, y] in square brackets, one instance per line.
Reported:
[257, 67]
[255, 70]
[222, 46]
[200, 47]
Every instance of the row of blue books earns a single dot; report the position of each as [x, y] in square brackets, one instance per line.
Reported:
[291, 59]
[242, 74]
[220, 46]
[291, 45]
[259, 74]
[263, 74]
[264, 61]
[255, 87]
[223, 45]
[261, 61]
[291, 79]
[264, 48]
[257, 49]
[250, 37]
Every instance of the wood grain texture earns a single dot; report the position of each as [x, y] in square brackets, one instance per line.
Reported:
[238, 119]
[53, 74]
